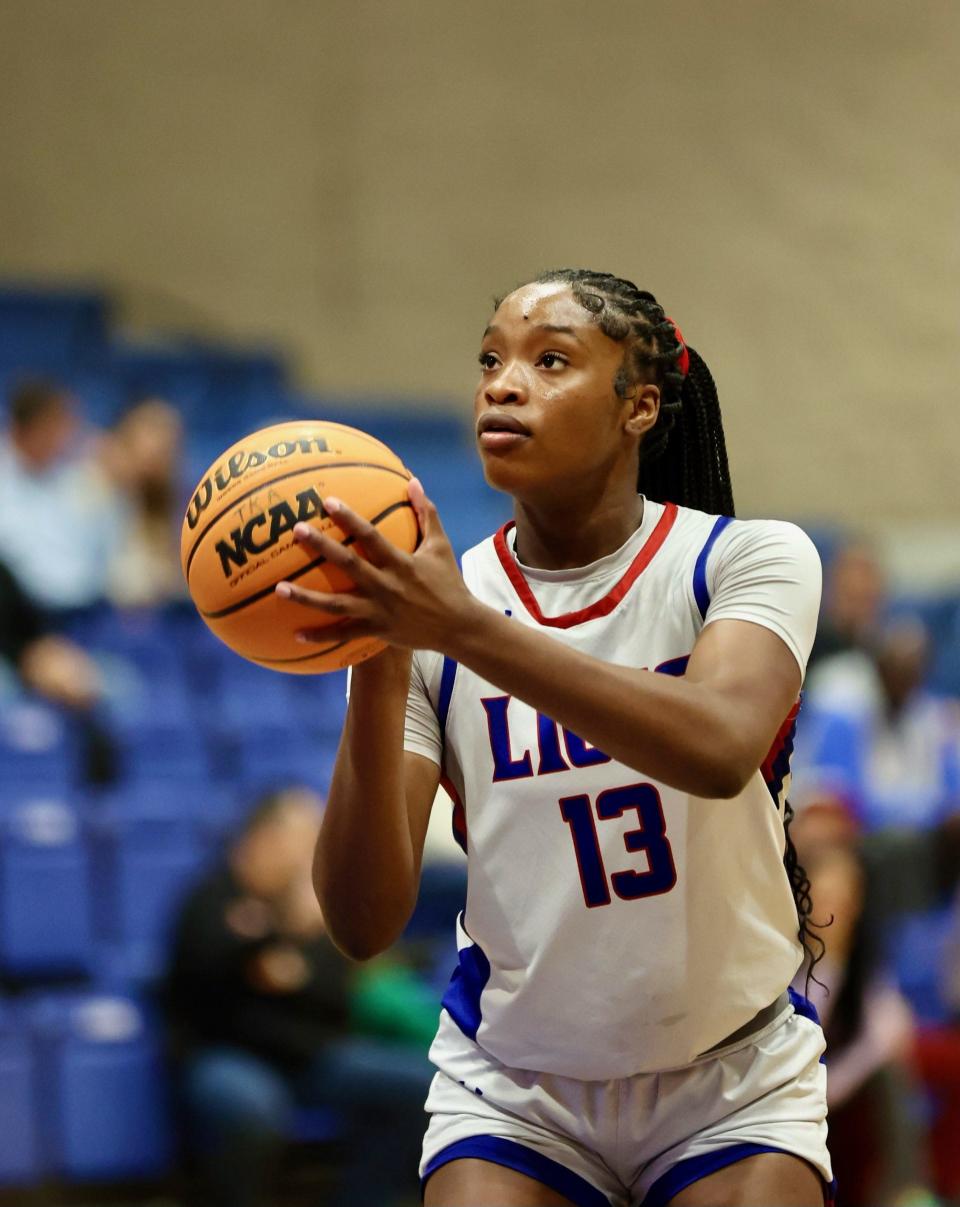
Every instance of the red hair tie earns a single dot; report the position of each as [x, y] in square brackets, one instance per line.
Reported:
[683, 360]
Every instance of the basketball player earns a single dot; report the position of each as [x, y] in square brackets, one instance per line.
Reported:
[609, 694]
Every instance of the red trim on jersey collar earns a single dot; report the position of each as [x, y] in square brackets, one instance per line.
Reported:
[602, 607]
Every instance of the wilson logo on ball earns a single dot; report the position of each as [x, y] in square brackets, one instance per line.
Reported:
[240, 462]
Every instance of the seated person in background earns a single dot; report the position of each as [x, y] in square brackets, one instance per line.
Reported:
[876, 735]
[59, 518]
[938, 1060]
[876, 1141]
[259, 1003]
[142, 457]
[853, 596]
[54, 668]
[45, 663]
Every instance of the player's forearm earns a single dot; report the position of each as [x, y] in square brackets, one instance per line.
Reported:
[679, 732]
[365, 868]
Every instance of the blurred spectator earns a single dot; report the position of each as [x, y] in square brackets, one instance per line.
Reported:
[876, 735]
[259, 1003]
[938, 1060]
[45, 663]
[56, 669]
[852, 600]
[876, 1140]
[143, 458]
[59, 519]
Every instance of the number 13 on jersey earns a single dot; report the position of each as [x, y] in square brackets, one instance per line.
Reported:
[649, 838]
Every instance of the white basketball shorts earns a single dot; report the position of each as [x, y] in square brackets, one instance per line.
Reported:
[638, 1141]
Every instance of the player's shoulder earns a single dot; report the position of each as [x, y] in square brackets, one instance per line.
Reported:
[769, 537]
[731, 534]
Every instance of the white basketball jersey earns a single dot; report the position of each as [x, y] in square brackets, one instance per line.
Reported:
[615, 925]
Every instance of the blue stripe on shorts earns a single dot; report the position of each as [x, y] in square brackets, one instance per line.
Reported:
[524, 1160]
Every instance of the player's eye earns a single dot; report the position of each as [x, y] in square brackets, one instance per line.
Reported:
[487, 360]
[552, 360]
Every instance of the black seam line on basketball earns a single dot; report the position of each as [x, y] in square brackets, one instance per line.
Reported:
[288, 578]
[327, 649]
[280, 478]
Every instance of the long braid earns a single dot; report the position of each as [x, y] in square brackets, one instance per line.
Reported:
[695, 454]
[689, 468]
[812, 943]
[683, 458]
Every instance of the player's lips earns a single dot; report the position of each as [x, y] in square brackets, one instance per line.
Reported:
[499, 431]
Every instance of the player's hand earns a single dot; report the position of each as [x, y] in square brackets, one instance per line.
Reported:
[413, 600]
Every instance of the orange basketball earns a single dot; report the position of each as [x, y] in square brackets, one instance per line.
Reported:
[237, 538]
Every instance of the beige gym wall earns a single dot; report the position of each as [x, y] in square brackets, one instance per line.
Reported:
[356, 179]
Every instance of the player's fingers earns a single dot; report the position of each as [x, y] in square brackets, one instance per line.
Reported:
[336, 605]
[349, 630]
[338, 552]
[376, 546]
[427, 515]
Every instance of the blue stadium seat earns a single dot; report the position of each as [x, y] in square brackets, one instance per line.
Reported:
[274, 758]
[213, 806]
[39, 746]
[145, 867]
[151, 705]
[449, 474]
[246, 371]
[144, 638]
[268, 729]
[177, 754]
[211, 386]
[251, 697]
[24, 795]
[945, 671]
[467, 525]
[918, 947]
[204, 659]
[101, 395]
[166, 369]
[247, 390]
[319, 703]
[42, 330]
[45, 904]
[20, 1158]
[104, 1093]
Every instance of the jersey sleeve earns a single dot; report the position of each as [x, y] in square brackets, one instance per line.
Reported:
[767, 572]
[421, 731]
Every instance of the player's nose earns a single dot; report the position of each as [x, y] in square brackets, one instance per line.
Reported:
[508, 386]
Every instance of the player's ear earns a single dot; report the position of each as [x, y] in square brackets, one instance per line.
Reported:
[644, 407]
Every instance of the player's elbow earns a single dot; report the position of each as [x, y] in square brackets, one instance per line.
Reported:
[728, 772]
[359, 947]
[362, 939]
[724, 783]
[360, 932]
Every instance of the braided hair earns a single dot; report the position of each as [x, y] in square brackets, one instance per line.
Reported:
[683, 458]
